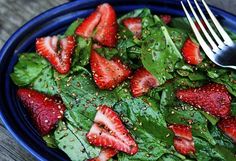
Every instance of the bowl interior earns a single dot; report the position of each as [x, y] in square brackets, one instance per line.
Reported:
[52, 22]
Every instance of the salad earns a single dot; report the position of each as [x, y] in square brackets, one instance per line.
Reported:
[137, 87]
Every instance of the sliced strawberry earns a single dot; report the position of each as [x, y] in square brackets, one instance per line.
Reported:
[60, 59]
[109, 131]
[107, 28]
[96, 46]
[182, 131]
[213, 98]
[191, 52]
[86, 28]
[183, 141]
[166, 18]
[228, 126]
[101, 25]
[105, 154]
[198, 26]
[142, 82]
[134, 25]
[44, 110]
[184, 146]
[107, 74]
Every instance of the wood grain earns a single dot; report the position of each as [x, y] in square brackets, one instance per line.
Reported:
[13, 14]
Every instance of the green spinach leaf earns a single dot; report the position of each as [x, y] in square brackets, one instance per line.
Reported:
[148, 128]
[71, 29]
[73, 142]
[28, 68]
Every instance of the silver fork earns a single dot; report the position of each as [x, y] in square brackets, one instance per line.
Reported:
[220, 49]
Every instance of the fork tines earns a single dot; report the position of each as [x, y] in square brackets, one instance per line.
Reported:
[214, 40]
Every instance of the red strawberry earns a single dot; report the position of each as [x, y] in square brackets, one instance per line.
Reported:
[182, 131]
[105, 154]
[107, 28]
[198, 26]
[183, 141]
[108, 131]
[59, 58]
[213, 98]
[134, 25]
[184, 146]
[166, 18]
[45, 110]
[142, 82]
[107, 74]
[85, 29]
[191, 52]
[103, 21]
[228, 126]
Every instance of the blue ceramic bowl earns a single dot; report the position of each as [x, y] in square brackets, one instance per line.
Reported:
[55, 21]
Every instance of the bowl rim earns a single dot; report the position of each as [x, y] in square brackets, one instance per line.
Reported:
[43, 16]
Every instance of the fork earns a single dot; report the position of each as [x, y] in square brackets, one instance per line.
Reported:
[221, 50]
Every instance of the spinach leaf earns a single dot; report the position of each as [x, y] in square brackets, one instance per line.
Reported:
[148, 128]
[108, 53]
[28, 68]
[45, 82]
[79, 91]
[128, 47]
[81, 97]
[73, 142]
[123, 91]
[224, 153]
[71, 29]
[50, 140]
[222, 139]
[181, 23]
[169, 157]
[136, 13]
[82, 52]
[233, 107]
[212, 119]
[178, 37]
[207, 152]
[159, 53]
[228, 80]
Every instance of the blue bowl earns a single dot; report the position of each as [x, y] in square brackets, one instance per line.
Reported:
[55, 21]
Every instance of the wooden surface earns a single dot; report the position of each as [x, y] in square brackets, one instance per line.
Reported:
[13, 14]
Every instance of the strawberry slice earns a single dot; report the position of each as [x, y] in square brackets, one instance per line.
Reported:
[184, 146]
[134, 25]
[60, 59]
[44, 110]
[107, 74]
[109, 131]
[142, 82]
[182, 131]
[213, 98]
[191, 52]
[85, 29]
[107, 28]
[96, 46]
[183, 140]
[228, 126]
[101, 25]
[166, 19]
[105, 154]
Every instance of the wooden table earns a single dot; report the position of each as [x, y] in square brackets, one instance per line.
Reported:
[13, 14]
